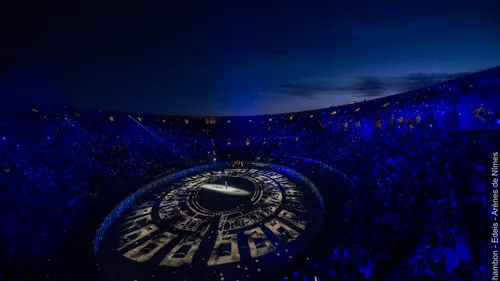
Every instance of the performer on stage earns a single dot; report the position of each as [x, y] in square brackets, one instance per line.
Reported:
[225, 184]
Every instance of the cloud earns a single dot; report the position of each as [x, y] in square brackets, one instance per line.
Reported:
[307, 89]
[429, 78]
[368, 86]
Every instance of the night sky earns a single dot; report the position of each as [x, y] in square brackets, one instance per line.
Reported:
[209, 58]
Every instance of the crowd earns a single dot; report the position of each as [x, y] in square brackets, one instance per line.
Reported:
[416, 194]
[56, 165]
[399, 181]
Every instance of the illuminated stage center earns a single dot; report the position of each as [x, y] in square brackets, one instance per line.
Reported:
[225, 194]
[215, 224]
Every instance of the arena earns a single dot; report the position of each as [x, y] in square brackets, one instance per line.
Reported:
[392, 188]
[254, 144]
[212, 223]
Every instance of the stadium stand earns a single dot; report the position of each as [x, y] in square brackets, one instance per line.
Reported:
[403, 177]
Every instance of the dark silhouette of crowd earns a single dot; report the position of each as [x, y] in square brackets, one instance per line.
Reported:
[418, 197]
[403, 177]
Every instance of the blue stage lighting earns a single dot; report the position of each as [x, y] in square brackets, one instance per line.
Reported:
[4, 138]
[498, 121]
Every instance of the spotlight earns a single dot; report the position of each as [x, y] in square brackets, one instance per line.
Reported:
[4, 138]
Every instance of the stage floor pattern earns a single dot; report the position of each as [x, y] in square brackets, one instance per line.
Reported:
[223, 224]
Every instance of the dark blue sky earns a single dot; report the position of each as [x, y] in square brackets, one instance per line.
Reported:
[210, 58]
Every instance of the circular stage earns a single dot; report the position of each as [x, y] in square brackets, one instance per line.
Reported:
[215, 223]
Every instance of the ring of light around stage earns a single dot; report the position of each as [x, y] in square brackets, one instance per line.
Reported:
[210, 223]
